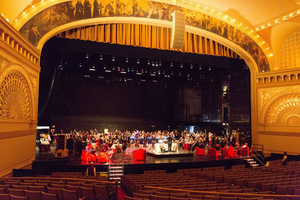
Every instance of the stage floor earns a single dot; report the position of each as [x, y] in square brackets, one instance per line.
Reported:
[170, 163]
[166, 158]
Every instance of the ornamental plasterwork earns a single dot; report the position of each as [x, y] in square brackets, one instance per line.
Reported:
[271, 99]
[15, 99]
[21, 82]
[32, 81]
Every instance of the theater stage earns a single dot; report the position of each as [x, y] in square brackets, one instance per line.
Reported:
[170, 163]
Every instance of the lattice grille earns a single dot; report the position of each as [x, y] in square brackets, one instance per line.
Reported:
[14, 97]
[290, 52]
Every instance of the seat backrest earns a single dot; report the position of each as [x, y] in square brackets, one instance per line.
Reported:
[20, 187]
[87, 193]
[58, 185]
[13, 197]
[155, 197]
[57, 191]
[101, 190]
[48, 196]
[4, 197]
[87, 185]
[37, 188]
[33, 195]
[16, 192]
[27, 183]
[74, 188]
[70, 194]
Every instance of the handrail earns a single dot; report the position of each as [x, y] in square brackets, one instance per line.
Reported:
[258, 154]
[256, 158]
[226, 193]
[55, 178]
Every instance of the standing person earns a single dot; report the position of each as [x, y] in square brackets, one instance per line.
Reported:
[91, 170]
[96, 11]
[285, 159]
[79, 10]
[87, 9]
[169, 139]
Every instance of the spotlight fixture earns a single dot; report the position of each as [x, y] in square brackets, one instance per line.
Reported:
[80, 65]
[87, 55]
[181, 65]
[94, 66]
[113, 59]
[192, 66]
[209, 68]
[156, 63]
[101, 57]
[148, 62]
[171, 64]
[159, 63]
[127, 59]
[153, 64]
[200, 67]
[138, 61]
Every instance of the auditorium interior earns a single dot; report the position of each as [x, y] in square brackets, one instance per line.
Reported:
[187, 72]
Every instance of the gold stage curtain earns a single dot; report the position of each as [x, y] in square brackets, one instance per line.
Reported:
[147, 36]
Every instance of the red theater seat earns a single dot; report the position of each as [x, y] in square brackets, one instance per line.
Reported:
[212, 152]
[141, 154]
[244, 152]
[225, 152]
[200, 151]
[103, 157]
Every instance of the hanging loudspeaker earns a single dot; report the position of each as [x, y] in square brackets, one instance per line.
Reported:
[178, 29]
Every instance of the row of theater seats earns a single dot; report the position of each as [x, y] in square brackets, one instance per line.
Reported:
[37, 188]
[77, 175]
[238, 182]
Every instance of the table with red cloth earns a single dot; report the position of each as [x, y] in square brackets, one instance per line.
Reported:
[139, 154]
[44, 148]
[187, 146]
[200, 151]
[212, 152]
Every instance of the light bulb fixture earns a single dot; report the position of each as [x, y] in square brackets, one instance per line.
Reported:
[127, 59]
[192, 66]
[200, 67]
[181, 65]
[209, 68]
[148, 62]
[171, 64]
[80, 65]
[113, 59]
[87, 55]
[101, 57]
[138, 61]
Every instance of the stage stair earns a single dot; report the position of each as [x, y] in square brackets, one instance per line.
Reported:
[251, 162]
[115, 172]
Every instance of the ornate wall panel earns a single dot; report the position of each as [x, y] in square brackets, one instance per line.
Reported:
[279, 105]
[290, 52]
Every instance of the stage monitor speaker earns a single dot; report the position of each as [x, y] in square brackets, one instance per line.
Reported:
[178, 29]
[61, 141]
[61, 153]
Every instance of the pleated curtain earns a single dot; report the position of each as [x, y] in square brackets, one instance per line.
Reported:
[147, 36]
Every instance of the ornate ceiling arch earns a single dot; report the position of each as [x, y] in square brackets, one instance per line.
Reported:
[70, 12]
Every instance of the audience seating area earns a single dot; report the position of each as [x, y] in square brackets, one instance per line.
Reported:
[273, 182]
[58, 186]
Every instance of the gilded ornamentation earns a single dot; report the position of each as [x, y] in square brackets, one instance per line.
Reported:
[15, 81]
[280, 106]
[15, 97]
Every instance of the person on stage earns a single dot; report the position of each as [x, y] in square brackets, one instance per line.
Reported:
[169, 141]
[91, 170]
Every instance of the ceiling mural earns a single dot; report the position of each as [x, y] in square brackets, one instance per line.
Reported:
[64, 13]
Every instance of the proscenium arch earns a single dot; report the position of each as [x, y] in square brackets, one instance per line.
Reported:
[147, 21]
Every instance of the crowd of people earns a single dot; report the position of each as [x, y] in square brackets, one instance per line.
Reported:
[102, 142]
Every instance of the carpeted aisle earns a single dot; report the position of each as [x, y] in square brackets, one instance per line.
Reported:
[121, 194]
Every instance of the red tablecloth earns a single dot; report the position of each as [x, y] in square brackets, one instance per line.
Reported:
[187, 146]
[200, 152]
